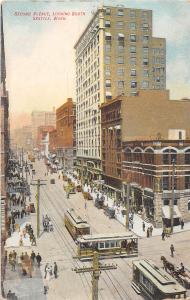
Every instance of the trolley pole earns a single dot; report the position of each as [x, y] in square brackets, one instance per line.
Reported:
[173, 196]
[38, 184]
[126, 201]
[95, 270]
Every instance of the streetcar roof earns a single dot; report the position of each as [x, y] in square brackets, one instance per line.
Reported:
[105, 237]
[77, 220]
[158, 277]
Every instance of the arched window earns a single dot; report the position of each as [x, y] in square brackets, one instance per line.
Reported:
[149, 156]
[137, 155]
[187, 157]
[169, 156]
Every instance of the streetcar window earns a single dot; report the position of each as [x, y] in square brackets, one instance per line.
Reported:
[112, 244]
[107, 244]
[101, 245]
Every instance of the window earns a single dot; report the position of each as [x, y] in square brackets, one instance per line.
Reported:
[145, 50]
[145, 84]
[101, 245]
[187, 157]
[108, 83]
[187, 180]
[120, 71]
[132, 14]
[162, 60]
[144, 14]
[133, 72]
[165, 181]
[108, 37]
[120, 60]
[121, 37]
[120, 12]
[107, 245]
[133, 84]
[121, 48]
[133, 60]
[120, 24]
[108, 11]
[107, 47]
[145, 25]
[132, 49]
[120, 84]
[107, 60]
[133, 26]
[145, 73]
[145, 38]
[107, 23]
[169, 155]
[145, 61]
[108, 73]
[133, 37]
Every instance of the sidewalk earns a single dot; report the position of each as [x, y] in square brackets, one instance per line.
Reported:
[137, 220]
[25, 288]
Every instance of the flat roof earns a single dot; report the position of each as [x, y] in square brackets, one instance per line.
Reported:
[160, 278]
[74, 218]
[106, 237]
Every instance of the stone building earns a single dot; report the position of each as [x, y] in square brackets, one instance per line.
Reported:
[116, 54]
[141, 136]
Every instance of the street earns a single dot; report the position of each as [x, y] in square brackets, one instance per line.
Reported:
[59, 246]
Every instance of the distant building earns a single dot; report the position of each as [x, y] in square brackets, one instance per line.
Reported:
[140, 137]
[43, 131]
[116, 54]
[63, 140]
[41, 118]
[22, 138]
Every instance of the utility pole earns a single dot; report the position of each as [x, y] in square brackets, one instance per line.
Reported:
[126, 197]
[38, 184]
[95, 270]
[173, 196]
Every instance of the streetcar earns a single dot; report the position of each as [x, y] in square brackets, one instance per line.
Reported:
[154, 282]
[108, 245]
[75, 224]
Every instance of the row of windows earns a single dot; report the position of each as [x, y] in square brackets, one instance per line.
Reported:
[121, 83]
[120, 60]
[132, 25]
[121, 72]
[131, 13]
[132, 48]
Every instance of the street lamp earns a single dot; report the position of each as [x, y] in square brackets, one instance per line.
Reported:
[173, 195]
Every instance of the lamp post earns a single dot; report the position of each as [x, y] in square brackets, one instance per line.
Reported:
[173, 195]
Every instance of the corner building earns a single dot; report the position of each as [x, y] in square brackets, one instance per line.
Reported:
[115, 55]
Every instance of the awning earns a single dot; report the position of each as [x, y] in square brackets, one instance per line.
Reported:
[117, 127]
[121, 35]
[53, 155]
[107, 34]
[166, 212]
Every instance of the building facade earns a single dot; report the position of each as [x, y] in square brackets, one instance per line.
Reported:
[140, 137]
[116, 54]
[43, 131]
[4, 155]
[41, 118]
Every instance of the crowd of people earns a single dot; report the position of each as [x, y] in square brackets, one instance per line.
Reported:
[50, 271]
[149, 230]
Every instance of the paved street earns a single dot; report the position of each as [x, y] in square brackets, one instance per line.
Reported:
[59, 246]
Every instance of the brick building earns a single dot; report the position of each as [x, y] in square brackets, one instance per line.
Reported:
[140, 137]
[63, 141]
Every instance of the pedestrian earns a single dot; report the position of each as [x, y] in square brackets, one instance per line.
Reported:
[172, 250]
[143, 226]
[14, 254]
[151, 230]
[182, 224]
[38, 259]
[33, 241]
[9, 295]
[163, 235]
[148, 232]
[85, 204]
[32, 256]
[55, 269]
[45, 271]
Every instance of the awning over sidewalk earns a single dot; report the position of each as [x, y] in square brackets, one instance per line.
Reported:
[166, 212]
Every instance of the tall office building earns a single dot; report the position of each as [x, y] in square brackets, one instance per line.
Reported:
[116, 54]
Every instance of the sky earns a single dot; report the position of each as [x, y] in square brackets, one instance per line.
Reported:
[40, 56]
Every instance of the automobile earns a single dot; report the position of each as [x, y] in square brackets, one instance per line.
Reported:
[52, 181]
[110, 212]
